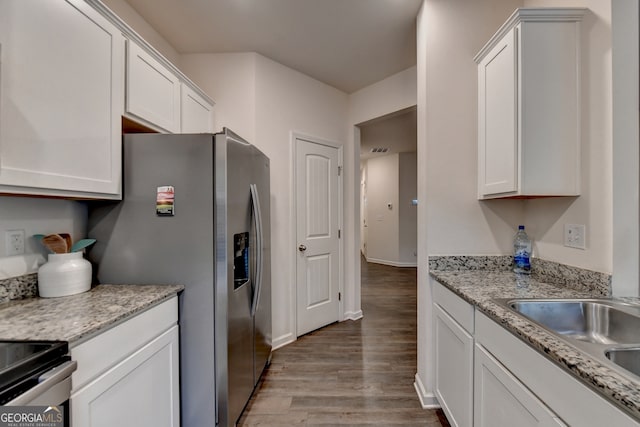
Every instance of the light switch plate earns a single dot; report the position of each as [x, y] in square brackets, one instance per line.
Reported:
[575, 236]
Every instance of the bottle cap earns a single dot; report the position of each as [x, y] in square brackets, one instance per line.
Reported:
[521, 227]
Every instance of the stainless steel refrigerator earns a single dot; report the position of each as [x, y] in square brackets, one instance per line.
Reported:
[195, 211]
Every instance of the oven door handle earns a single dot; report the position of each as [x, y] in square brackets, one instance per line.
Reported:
[47, 381]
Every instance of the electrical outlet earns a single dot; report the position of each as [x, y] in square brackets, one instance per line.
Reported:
[575, 236]
[14, 242]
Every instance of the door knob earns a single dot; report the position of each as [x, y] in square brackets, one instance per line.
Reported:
[302, 248]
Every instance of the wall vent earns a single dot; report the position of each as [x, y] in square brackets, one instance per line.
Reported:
[379, 150]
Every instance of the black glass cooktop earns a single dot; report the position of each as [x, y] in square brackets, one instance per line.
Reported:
[22, 362]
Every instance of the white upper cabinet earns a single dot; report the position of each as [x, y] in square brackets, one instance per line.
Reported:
[66, 80]
[196, 112]
[159, 97]
[61, 100]
[153, 91]
[529, 106]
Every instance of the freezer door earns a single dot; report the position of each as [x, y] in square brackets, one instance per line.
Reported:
[237, 259]
[262, 296]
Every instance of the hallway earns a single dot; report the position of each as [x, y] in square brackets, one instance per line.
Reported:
[353, 372]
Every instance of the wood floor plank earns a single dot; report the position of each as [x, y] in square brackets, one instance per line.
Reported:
[352, 373]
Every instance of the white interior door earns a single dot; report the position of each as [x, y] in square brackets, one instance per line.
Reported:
[317, 266]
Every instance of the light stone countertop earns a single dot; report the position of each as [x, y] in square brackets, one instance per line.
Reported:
[480, 288]
[76, 318]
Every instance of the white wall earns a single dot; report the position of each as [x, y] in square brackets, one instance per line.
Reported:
[395, 93]
[391, 234]
[451, 219]
[424, 377]
[397, 132]
[383, 181]
[545, 218]
[265, 102]
[408, 227]
[459, 223]
[230, 79]
[626, 157]
[456, 223]
[288, 101]
[142, 27]
[36, 216]
[363, 207]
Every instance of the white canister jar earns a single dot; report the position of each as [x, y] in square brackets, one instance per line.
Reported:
[64, 274]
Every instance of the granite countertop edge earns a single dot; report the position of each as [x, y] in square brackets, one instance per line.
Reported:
[77, 318]
[481, 288]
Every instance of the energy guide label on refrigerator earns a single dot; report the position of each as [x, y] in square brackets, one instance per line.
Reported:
[165, 201]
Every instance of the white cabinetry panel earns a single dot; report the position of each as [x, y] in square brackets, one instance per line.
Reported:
[153, 91]
[498, 146]
[61, 98]
[529, 106]
[453, 338]
[196, 112]
[500, 400]
[142, 390]
[486, 376]
[454, 369]
[572, 401]
[129, 374]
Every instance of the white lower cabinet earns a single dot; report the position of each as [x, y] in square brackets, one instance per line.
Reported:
[454, 372]
[487, 377]
[500, 400]
[118, 386]
[453, 335]
[569, 399]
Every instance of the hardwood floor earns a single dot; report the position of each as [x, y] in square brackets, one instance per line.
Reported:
[354, 372]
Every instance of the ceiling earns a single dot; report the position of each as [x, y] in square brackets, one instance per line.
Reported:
[397, 131]
[347, 44]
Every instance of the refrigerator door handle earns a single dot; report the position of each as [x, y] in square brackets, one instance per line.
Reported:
[257, 216]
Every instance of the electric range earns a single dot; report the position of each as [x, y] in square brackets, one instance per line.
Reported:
[36, 373]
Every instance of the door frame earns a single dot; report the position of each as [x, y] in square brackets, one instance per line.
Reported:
[293, 243]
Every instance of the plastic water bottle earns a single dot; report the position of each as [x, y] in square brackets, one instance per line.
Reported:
[521, 252]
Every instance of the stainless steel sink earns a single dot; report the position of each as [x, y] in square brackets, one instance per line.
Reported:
[626, 357]
[606, 329]
[596, 321]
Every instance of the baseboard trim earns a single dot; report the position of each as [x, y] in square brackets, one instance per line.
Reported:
[427, 400]
[353, 315]
[282, 341]
[391, 263]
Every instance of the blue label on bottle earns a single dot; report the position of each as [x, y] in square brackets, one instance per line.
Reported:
[522, 261]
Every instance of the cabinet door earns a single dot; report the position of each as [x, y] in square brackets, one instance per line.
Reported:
[61, 100]
[497, 118]
[503, 401]
[454, 369]
[153, 91]
[196, 112]
[141, 391]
